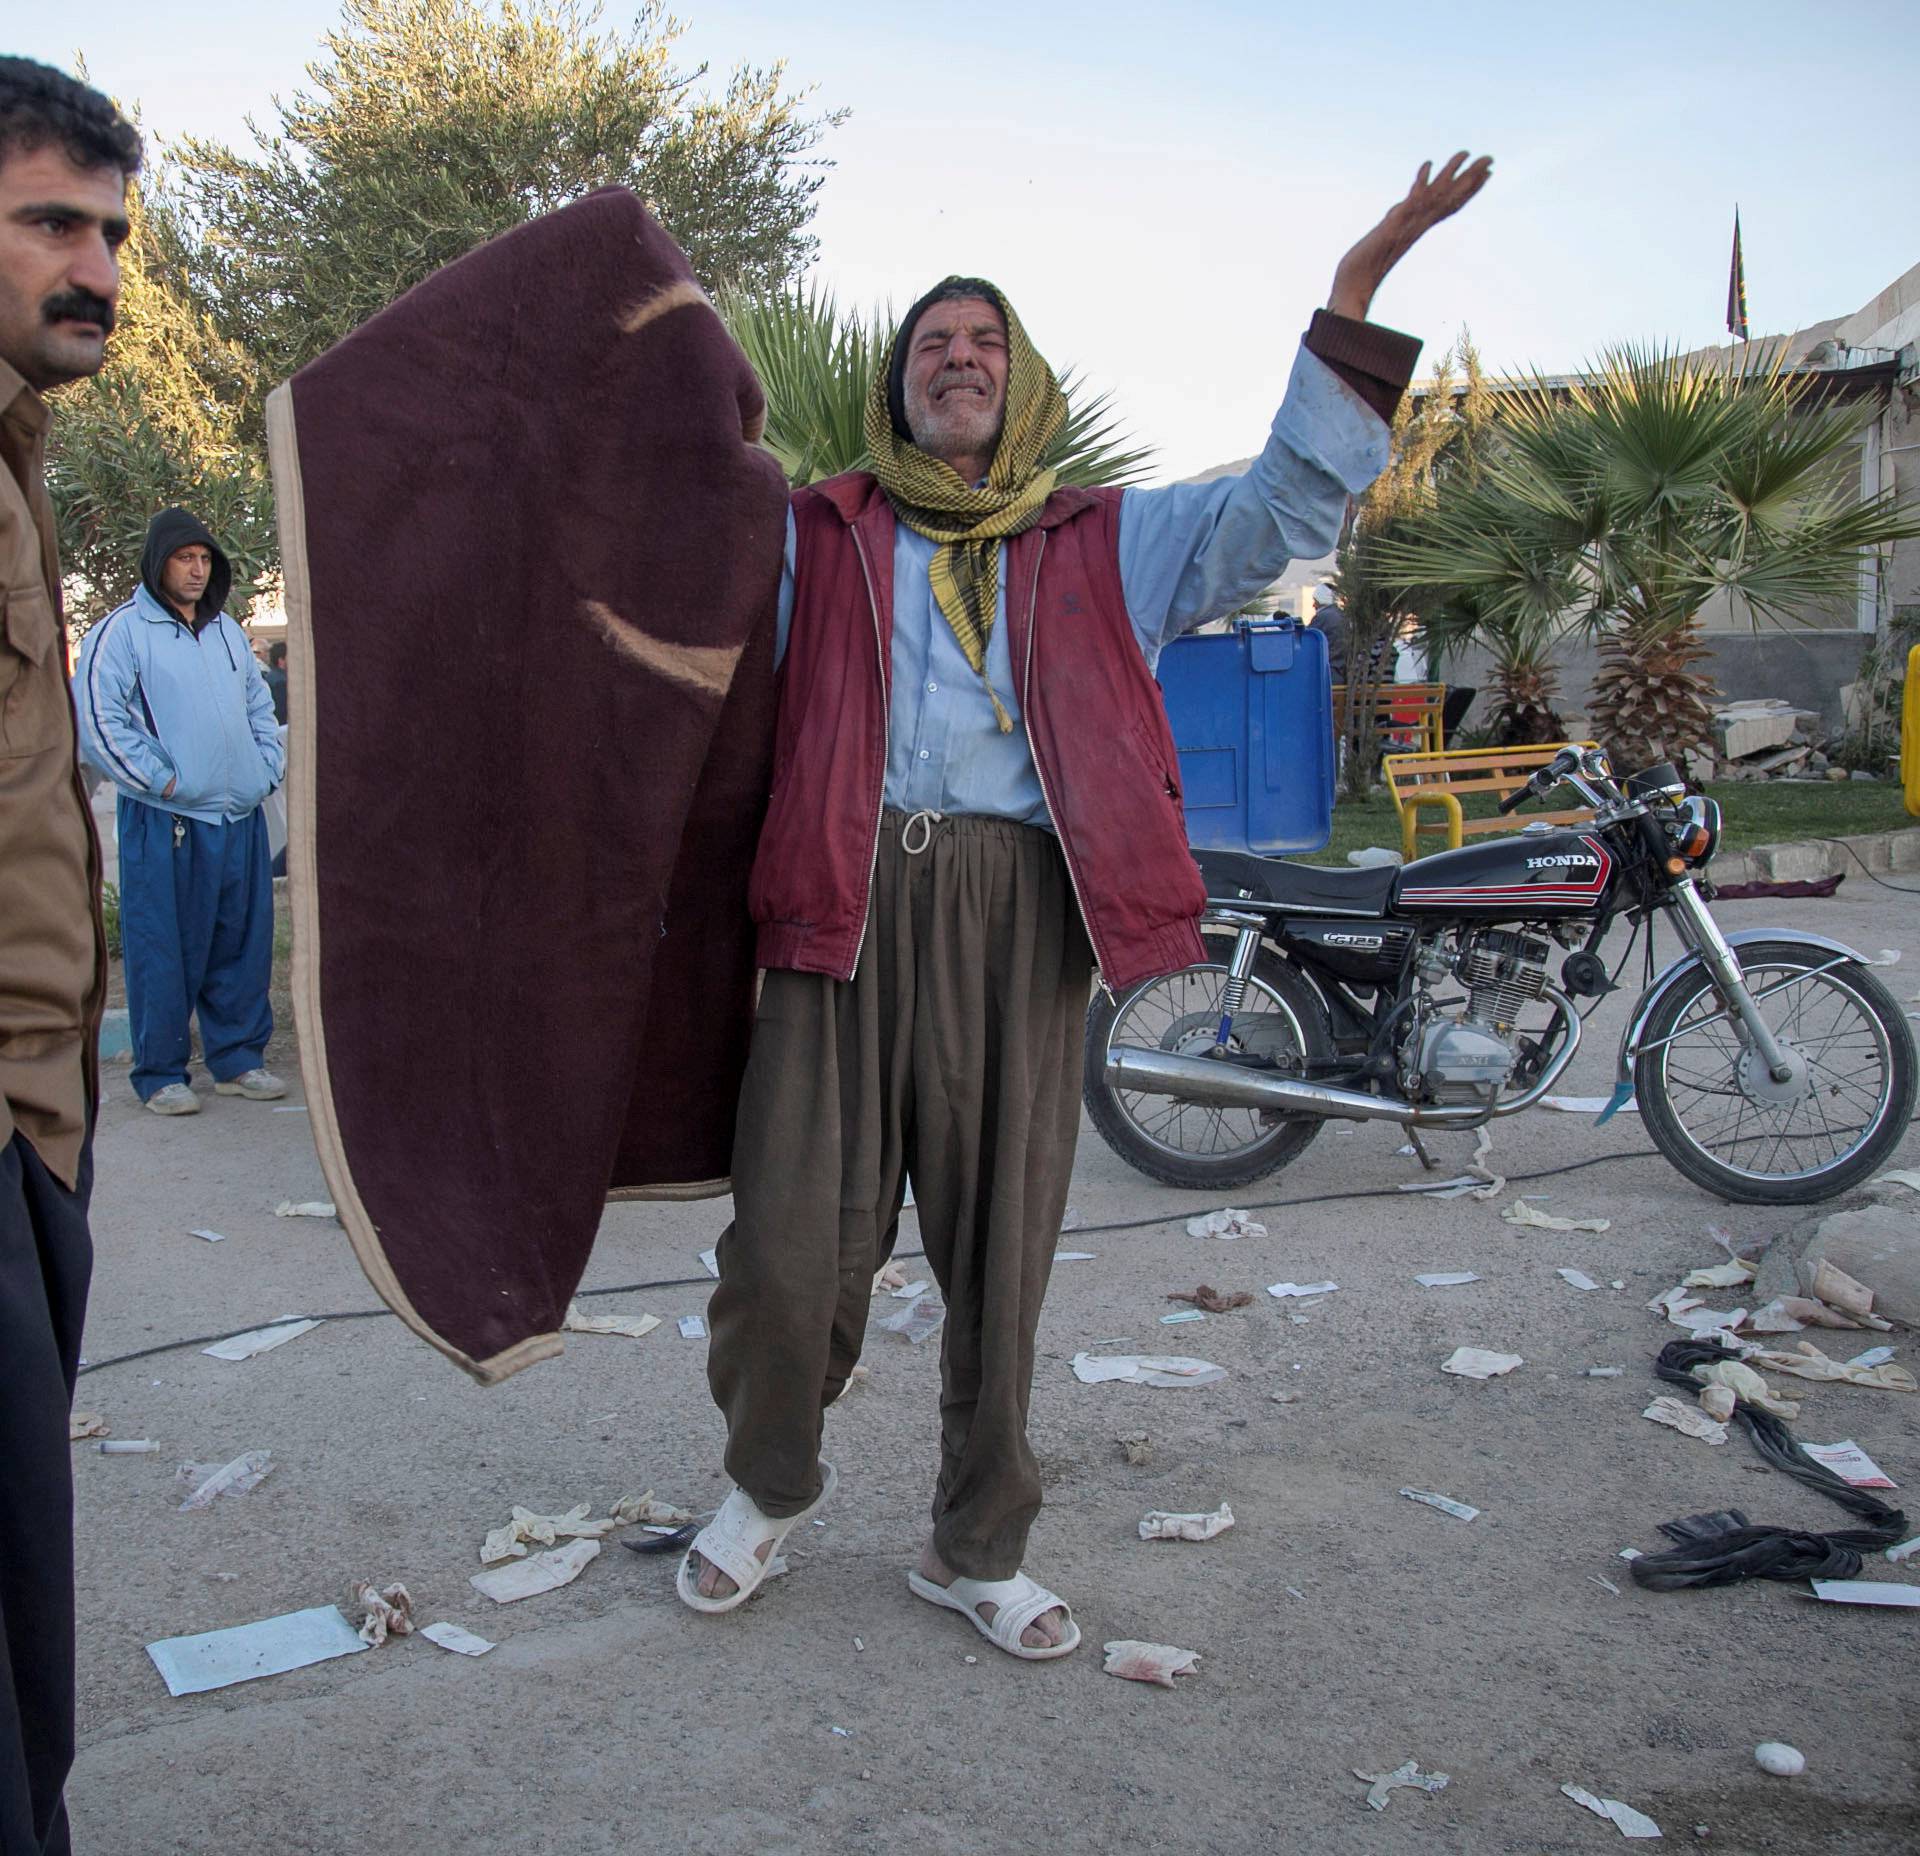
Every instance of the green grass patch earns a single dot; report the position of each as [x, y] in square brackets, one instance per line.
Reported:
[1773, 812]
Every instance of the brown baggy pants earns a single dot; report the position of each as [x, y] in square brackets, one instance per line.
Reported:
[952, 1055]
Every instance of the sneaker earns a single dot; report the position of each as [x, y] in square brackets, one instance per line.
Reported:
[255, 1085]
[174, 1099]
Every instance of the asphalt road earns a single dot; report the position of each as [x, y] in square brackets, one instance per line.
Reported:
[1338, 1625]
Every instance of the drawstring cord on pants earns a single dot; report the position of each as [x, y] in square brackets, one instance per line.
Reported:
[926, 820]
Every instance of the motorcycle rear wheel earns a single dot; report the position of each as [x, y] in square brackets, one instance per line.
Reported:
[1183, 1143]
[1705, 1100]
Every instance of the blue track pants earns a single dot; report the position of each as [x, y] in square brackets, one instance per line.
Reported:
[196, 924]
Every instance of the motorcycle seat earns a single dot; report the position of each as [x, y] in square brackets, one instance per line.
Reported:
[1233, 876]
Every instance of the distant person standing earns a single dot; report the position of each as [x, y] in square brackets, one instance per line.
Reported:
[1331, 623]
[275, 678]
[173, 705]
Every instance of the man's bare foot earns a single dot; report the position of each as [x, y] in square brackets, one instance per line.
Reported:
[713, 1583]
[1046, 1631]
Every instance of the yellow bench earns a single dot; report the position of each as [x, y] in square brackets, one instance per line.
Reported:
[1412, 710]
[1433, 785]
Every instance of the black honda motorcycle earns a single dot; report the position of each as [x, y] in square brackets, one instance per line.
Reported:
[1769, 1067]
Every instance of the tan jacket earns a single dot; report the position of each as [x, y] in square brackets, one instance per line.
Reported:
[52, 949]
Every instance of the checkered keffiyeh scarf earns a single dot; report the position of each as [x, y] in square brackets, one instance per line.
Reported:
[968, 525]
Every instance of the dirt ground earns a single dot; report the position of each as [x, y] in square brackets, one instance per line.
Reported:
[1338, 1625]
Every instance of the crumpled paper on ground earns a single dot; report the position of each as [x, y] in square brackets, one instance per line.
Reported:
[644, 1511]
[212, 1480]
[633, 1326]
[90, 1423]
[245, 1346]
[1788, 1314]
[1381, 1785]
[1160, 1525]
[544, 1572]
[1680, 1416]
[1227, 1223]
[1732, 1275]
[1746, 1384]
[1808, 1362]
[1832, 1285]
[542, 1530]
[1158, 1663]
[304, 1208]
[1479, 1363]
[1213, 1301]
[1625, 1819]
[1521, 1213]
[1146, 1369]
[388, 1608]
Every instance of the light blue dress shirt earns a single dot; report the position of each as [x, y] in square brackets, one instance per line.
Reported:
[1188, 553]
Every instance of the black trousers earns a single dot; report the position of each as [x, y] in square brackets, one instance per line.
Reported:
[46, 1260]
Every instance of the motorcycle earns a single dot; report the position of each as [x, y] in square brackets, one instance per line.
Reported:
[1768, 1067]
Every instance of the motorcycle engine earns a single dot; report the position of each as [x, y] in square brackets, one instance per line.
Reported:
[1464, 1058]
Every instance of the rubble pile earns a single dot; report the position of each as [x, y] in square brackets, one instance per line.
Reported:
[1766, 738]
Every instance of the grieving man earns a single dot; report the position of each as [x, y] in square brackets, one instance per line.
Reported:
[975, 802]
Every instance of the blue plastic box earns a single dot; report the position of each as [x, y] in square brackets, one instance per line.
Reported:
[1252, 715]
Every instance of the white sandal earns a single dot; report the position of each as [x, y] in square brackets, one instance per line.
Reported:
[1019, 1600]
[728, 1542]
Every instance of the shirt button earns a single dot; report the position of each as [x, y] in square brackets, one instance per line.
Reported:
[924, 755]
[932, 687]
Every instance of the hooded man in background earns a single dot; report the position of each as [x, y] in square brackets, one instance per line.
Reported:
[174, 708]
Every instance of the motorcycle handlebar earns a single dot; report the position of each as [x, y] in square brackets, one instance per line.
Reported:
[1514, 800]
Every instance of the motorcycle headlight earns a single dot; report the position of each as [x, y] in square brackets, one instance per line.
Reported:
[1697, 831]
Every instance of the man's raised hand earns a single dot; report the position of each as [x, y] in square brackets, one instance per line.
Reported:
[1432, 198]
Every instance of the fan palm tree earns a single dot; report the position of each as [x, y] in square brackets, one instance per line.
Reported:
[1625, 503]
[817, 363]
[1525, 675]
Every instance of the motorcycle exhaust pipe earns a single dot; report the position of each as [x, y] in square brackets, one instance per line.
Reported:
[1227, 1085]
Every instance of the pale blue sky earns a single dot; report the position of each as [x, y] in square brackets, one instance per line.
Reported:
[1163, 192]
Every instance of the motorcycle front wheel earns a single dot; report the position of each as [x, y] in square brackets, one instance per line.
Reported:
[1714, 1110]
[1184, 1143]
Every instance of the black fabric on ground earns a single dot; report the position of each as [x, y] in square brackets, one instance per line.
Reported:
[1724, 1548]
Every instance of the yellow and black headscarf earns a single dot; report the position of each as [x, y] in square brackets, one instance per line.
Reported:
[967, 524]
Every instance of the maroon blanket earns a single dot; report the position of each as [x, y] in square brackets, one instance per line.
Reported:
[531, 560]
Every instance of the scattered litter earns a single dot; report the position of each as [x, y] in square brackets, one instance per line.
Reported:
[545, 1572]
[1866, 1592]
[1227, 1224]
[1520, 1212]
[1576, 1279]
[1851, 1464]
[453, 1637]
[305, 1208]
[212, 1237]
[1496, 1182]
[1146, 1370]
[84, 1424]
[1184, 1314]
[1158, 1663]
[1138, 1447]
[1625, 1819]
[920, 1318]
[389, 1612]
[1837, 1289]
[1718, 1401]
[1734, 1274]
[1788, 1314]
[1607, 1585]
[888, 1277]
[1074, 1256]
[291, 1108]
[1629, 1553]
[1381, 1785]
[1746, 1384]
[633, 1326]
[710, 1262]
[133, 1446]
[1887, 957]
[858, 1377]
[1586, 1105]
[645, 1511]
[258, 1340]
[693, 1327]
[859, 1647]
[1456, 1187]
[209, 1481]
[1777, 1757]
[1603, 1372]
[1071, 1220]
[1283, 1398]
[842, 1732]
[1900, 1176]
[1680, 1416]
[525, 1529]
[1446, 1504]
[1445, 1279]
[1160, 1525]
[1808, 1362]
[911, 1291]
[1214, 1301]
[1905, 1550]
[1280, 1291]
[1479, 1363]
[271, 1647]
[1293, 1591]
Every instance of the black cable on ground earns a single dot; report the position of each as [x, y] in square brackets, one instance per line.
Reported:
[1724, 1548]
[1899, 889]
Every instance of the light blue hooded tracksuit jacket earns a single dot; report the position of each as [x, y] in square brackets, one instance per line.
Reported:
[160, 703]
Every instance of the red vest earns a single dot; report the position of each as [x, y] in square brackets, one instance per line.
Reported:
[1093, 715]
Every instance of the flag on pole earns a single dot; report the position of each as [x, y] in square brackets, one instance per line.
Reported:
[1737, 287]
